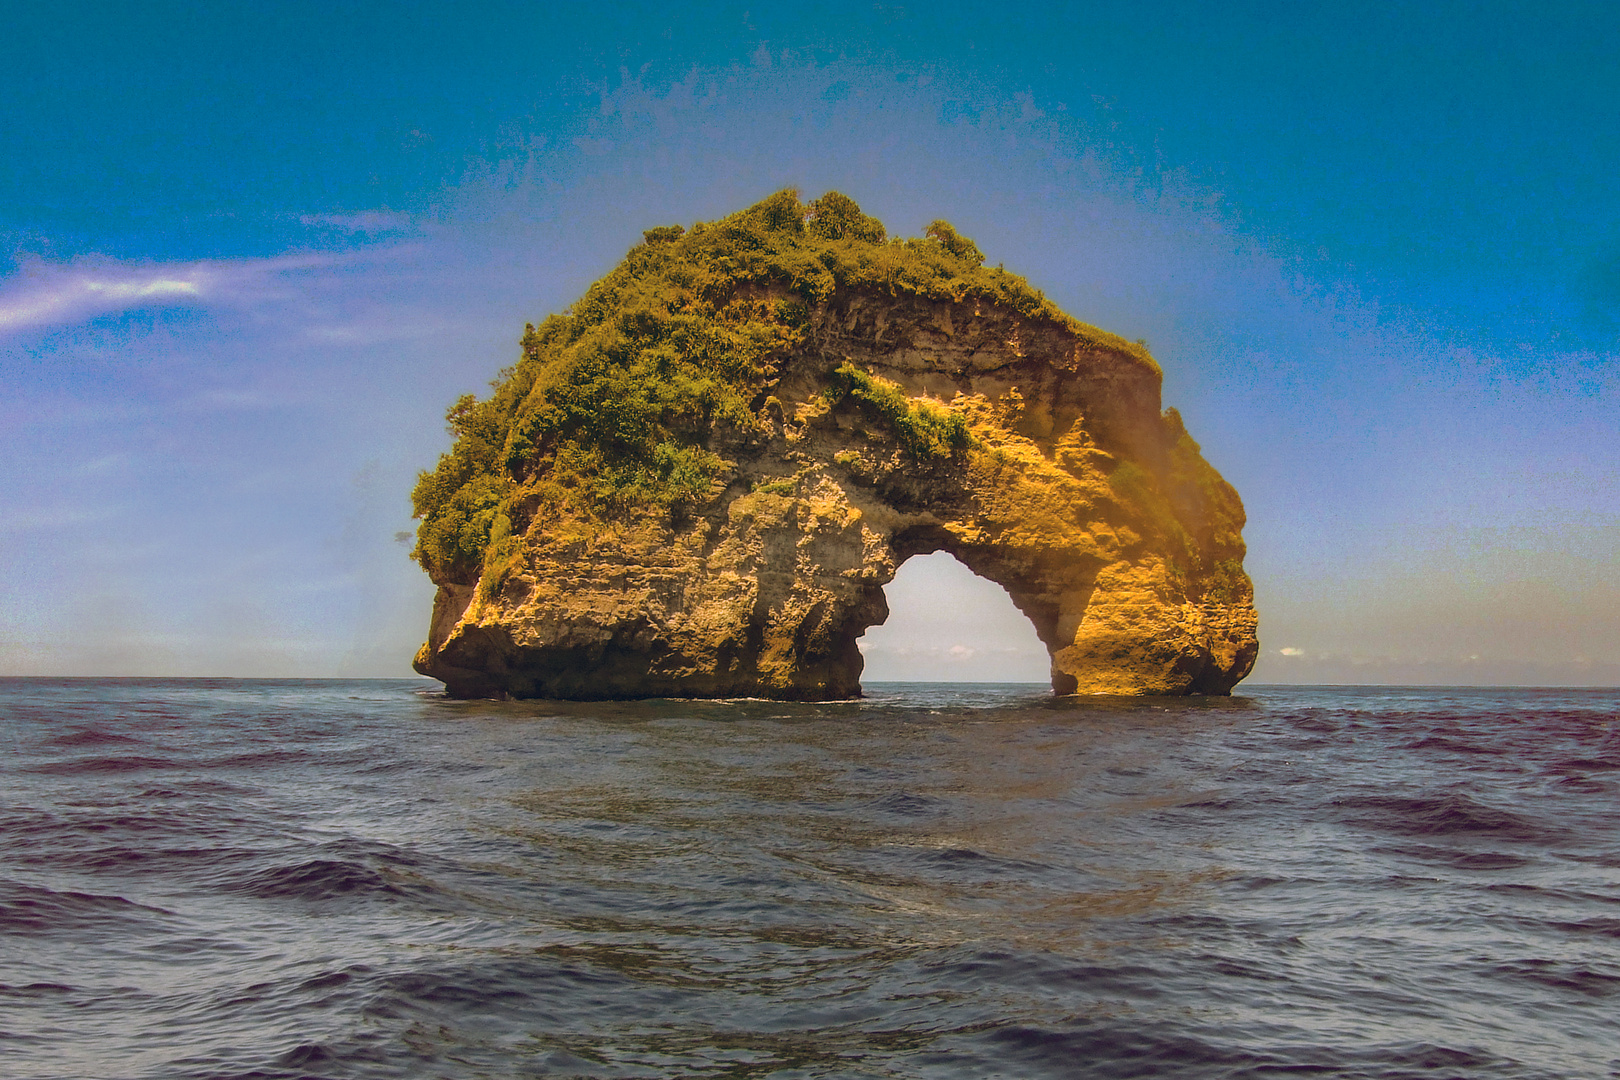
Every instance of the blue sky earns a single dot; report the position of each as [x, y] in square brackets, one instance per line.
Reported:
[248, 256]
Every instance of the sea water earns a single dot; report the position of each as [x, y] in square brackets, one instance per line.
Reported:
[268, 879]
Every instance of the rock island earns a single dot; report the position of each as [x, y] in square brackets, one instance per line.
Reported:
[697, 480]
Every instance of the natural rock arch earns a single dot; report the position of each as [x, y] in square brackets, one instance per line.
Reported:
[894, 420]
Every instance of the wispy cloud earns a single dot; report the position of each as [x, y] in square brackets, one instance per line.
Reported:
[54, 294]
[365, 223]
[50, 518]
[383, 327]
[55, 297]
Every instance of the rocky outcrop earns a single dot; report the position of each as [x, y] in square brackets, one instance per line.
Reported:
[1051, 471]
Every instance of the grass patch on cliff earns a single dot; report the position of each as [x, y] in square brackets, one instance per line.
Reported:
[925, 430]
[619, 404]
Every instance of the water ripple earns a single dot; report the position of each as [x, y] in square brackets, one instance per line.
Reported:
[231, 879]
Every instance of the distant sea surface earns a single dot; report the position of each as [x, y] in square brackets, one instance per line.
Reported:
[287, 879]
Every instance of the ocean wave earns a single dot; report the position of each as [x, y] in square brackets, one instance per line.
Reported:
[303, 879]
[1450, 813]
[36, 911]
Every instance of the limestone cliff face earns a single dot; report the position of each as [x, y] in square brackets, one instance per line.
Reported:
[1065, 484]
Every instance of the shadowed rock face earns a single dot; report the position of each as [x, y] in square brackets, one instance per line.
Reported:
[1092, 509]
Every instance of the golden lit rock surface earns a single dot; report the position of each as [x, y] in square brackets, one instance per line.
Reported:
[1043, 463]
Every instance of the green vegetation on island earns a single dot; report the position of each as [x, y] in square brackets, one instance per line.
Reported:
[924, 430]
[616, 404]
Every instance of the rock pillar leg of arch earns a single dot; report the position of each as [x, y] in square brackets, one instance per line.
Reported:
[1133, 635]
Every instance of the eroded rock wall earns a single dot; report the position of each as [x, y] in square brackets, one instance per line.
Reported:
[1091, 508]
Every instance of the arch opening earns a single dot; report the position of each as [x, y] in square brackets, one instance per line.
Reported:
[948, 624]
